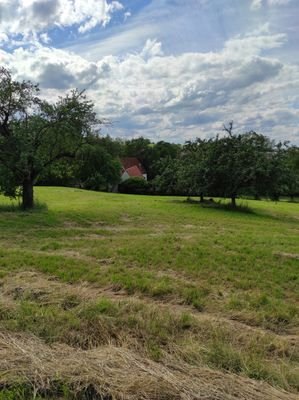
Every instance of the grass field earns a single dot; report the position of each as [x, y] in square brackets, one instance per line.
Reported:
[109, 296]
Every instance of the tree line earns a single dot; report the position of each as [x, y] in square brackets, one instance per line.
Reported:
[229, 165]
[233, 165]
[43, 143]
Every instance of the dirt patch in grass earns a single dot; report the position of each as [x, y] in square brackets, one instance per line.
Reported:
[287, 255]
[175, 275]
[189, 226]
[116, 228]
[77, 255]
[92, 236]
[71, 224]
[118, 373]
[27, 284]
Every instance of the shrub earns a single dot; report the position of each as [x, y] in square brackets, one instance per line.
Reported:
[135, 185]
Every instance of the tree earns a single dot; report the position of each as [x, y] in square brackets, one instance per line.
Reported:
[167, 181]
[113, 146]
[95, 168]
[161, 153]
[244, 162]
[194, 174]
[35, 133]
[140, 148]
[60, 173]
[292, 165]
[135, 185]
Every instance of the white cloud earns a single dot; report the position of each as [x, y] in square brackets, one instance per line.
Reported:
[256, 4]
[278, 2]
[44, 38]
[122, 41]
[253, 44]
[151, 49]
[3, 37]
[127, 15]
[29, 17]
[176, 97]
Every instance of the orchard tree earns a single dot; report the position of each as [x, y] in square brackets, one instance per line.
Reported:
[95, 168]
[140, 148]
[160, 154]
[35, 133]
[243, 163]
[292, 164]
[194, 173]
[167, 181]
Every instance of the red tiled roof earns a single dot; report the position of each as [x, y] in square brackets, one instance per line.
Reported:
[129, 162]
[134, 171]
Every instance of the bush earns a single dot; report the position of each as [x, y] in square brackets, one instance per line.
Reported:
[135, 185]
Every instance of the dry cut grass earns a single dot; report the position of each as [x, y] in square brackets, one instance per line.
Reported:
[83, 342]
[118, 373]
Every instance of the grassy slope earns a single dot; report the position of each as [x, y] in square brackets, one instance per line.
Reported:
[241, 267]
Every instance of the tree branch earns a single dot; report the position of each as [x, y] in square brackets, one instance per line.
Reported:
[229, 128]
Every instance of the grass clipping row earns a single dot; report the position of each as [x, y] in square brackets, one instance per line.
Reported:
[117, 373]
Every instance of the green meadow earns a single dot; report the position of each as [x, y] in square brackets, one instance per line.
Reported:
[175, 283]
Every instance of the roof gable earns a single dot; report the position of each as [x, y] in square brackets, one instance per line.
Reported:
[134, 171]
[130, 162]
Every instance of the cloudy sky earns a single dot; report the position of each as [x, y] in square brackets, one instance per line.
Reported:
[163, 69]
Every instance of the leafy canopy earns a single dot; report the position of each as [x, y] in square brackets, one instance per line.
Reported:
[35, 133]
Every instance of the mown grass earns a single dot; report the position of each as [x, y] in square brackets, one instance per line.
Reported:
[228, 262]
[240, 265]
[156, 333]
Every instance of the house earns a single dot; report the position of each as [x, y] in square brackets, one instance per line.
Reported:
[132, 168]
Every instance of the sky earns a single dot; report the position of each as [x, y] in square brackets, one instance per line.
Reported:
[170, 70]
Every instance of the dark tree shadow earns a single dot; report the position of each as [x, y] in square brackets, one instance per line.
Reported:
[17, 208]
[241, 209]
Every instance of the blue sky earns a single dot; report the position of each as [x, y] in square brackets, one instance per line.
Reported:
[164, 69]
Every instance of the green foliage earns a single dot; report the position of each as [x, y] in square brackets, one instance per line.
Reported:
[135, 185]
[230, 166]
[161, 152]
[167, 180]
[152, 155]
[240, 162]
[95, 167]
[54, 143]
[34, 133]
[233, 165]
[59, 173]
[194, 173]
[291, 162]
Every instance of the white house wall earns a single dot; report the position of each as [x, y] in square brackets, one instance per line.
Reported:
[124, 176]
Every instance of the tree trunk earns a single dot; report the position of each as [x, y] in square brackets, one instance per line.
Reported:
[27, 195]
[234, 205]
[201, 198]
